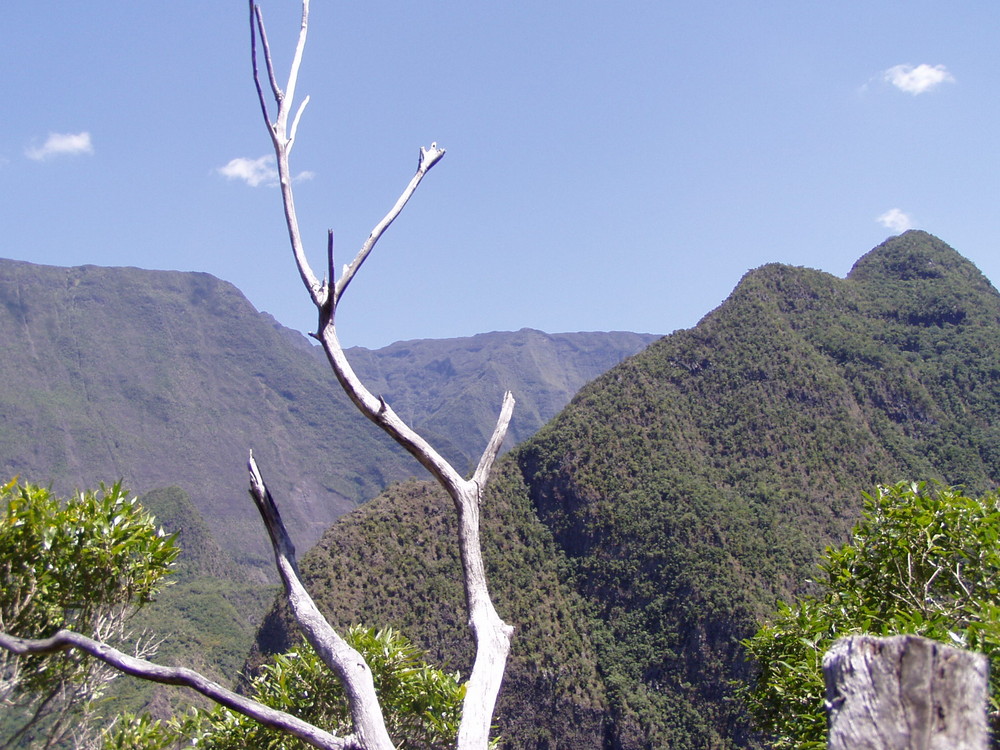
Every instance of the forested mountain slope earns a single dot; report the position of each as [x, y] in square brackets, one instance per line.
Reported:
[168, 379]
[448, 388]
[642, 533]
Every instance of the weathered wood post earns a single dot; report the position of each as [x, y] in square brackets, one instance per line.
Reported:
[905, 692]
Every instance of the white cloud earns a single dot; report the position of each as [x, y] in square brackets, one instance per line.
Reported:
[917, 80]
[895, 220]
[256, 172]
[253, 172]
[59, 144]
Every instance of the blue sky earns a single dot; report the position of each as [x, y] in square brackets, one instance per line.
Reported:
[609, 167]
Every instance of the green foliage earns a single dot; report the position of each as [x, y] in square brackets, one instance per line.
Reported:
[686, 490]
[143, 732]
[204, 621]
[66, 564]
[422, 705]
[84, 564]
[395, 560]
[924, 559]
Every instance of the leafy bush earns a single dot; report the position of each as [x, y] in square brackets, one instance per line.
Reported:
[422, 705]
[924, 560]
[84, 563]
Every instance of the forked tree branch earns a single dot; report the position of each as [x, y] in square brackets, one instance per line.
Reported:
[282, 141]
[66, 639]
[491, 633]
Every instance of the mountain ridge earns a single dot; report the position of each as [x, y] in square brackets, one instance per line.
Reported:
[168, 378]
[683, 491]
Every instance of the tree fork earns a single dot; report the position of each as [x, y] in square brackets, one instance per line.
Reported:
[492, 635]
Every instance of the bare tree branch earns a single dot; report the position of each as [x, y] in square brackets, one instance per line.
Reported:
[428, 158]
[293, 73]
[257, 26]
[282, 142]
[295, 124]
[485, 466]
[491, 633]
[336, 653]
[146, 670]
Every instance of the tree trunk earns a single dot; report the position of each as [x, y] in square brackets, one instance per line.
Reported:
[905, 693]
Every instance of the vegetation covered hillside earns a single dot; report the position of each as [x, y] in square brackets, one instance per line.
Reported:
[164, 379]
[641, 535]
[167, 379]
[448, 389]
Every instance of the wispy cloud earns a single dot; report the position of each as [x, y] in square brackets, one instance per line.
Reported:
[253, 172]
[256, 172]
[61, 144]
[919, 79]
[895, 220]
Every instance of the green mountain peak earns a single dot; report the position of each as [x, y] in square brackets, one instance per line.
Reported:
[685, 490]
[914, 255]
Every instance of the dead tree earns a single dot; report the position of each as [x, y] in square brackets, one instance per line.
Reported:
[905, 692]
[491, 634]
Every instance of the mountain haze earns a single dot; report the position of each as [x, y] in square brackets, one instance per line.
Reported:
[166, 378]
[447, 388]
[640, 535]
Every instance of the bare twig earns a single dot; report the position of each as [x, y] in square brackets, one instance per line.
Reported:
[270, 717]
[485, 466]
[428, 158]
[257, 26]
[258, 17]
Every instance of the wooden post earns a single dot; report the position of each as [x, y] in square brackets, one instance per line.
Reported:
[905, 692]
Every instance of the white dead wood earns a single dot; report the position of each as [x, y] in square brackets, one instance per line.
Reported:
[336, 653]
[146, 670]
[905, 692]
[491, 634]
